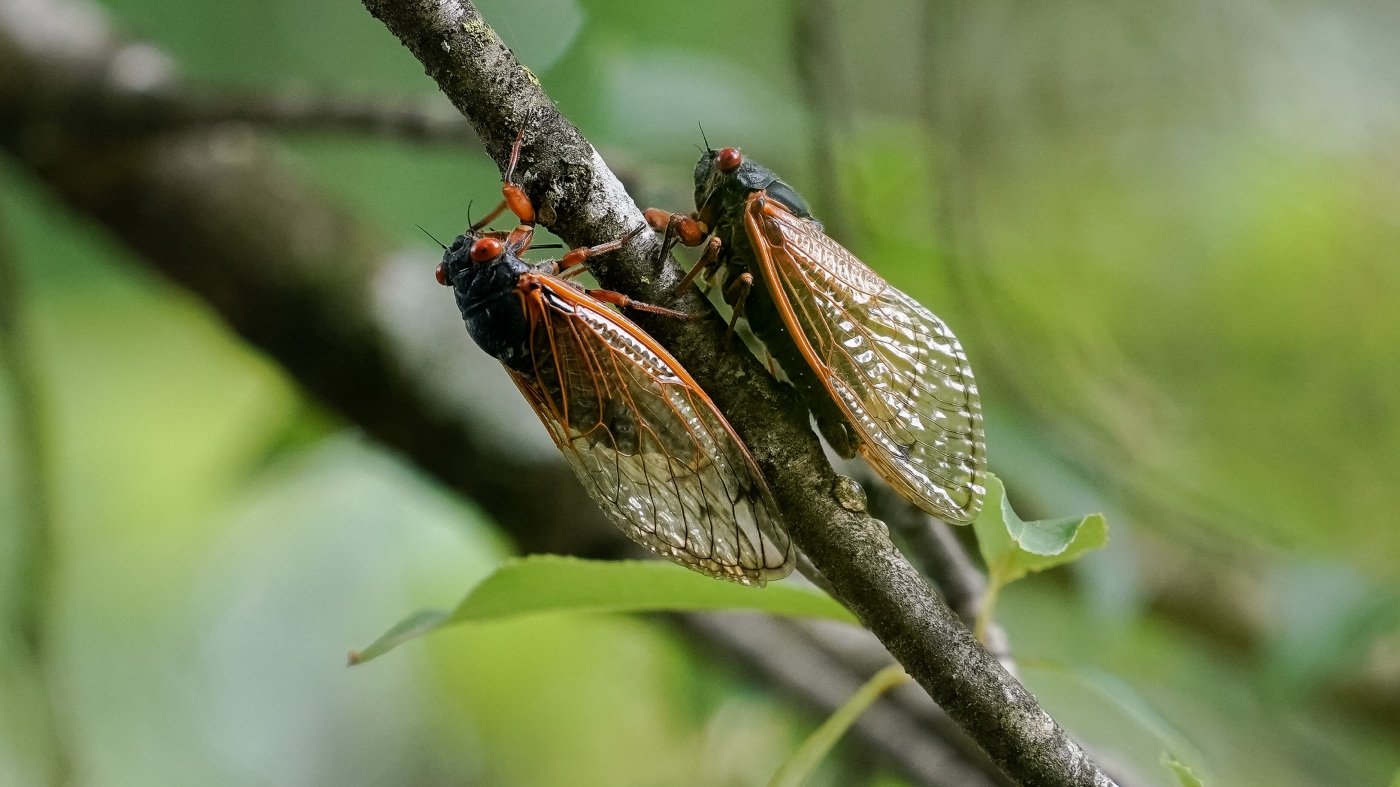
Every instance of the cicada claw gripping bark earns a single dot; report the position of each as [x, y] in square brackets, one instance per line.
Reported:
[646, 442]
[882, 375]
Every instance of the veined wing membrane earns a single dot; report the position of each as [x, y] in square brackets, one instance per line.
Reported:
[893, 367]
[646, 442]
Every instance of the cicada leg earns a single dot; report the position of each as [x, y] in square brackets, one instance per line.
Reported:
[686, 228]
[624, 302]
[571, 264]
[736, 295]
[514, 193]
[488, 218]
[706, 265]
[517, 240]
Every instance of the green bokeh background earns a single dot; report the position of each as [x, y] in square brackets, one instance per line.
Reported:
[1168, 237]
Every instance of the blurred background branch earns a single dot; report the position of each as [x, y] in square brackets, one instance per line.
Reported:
[291, 111]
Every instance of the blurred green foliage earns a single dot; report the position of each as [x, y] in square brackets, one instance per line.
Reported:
[1167, 236]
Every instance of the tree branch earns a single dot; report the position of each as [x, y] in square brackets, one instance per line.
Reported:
[583, 203]
[409, 120]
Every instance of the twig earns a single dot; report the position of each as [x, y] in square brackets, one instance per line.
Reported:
[34, 538]
[582, 202]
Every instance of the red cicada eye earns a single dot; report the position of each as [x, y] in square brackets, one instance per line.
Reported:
[486, 249]
[729, 159]
[442, 274]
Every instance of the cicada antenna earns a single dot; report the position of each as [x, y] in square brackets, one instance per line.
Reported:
[708, 149]
[430, 235]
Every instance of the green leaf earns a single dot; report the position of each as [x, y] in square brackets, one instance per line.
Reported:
[803, 762]
[1013, 548]
[551, 583]
[415, 625]
[1183, 773]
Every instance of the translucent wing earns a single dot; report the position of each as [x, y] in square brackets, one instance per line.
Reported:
[646, 442]
[892, 366]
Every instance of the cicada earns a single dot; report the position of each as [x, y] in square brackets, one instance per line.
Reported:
[646, 442]
[882, 375]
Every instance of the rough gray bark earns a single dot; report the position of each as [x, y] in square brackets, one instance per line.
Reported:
[583, 203]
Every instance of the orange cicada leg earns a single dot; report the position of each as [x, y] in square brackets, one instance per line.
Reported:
[624, 302]
[686, 228]
[571, 264]
[488, 218]
[515, 195]
[708, 262]
[520, 238]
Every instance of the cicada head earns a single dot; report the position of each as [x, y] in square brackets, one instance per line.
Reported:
[483, 270]
[477, 261]
[724, 178]
[456, 260]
